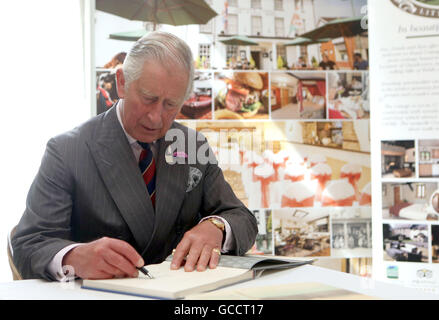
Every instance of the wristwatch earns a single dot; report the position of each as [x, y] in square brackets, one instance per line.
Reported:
[218, 223]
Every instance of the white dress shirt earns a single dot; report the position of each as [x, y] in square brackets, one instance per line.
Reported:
[55, 266]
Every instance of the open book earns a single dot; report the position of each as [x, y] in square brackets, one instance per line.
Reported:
[175, 284]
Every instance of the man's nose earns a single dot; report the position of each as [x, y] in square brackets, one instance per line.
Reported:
[155, 113]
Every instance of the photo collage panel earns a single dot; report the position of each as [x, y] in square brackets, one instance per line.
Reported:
[410, 200]
[285, 111]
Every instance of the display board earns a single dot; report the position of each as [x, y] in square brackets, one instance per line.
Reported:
[405, 95]
[287, 114]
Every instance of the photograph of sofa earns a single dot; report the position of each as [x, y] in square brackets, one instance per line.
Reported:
[398, 159]
[405, 242]
[410, 201]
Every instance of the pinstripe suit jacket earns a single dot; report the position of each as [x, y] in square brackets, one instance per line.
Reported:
[89, 186]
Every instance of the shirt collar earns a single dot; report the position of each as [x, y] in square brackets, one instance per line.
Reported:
[119, 105]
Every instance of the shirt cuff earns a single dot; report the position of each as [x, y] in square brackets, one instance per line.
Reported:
[56, 268]
[229, 242]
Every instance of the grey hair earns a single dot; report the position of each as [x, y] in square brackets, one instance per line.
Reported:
[163, 47]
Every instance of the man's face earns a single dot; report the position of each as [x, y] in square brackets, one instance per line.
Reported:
[152, 102]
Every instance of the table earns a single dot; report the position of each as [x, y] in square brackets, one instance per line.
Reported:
[40, 289]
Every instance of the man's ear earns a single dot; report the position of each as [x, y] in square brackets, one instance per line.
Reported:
[120, 83]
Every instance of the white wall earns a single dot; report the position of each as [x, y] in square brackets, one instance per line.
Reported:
[43, 94]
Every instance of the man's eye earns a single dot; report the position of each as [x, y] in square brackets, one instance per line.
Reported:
[171, 105]
[148, 100]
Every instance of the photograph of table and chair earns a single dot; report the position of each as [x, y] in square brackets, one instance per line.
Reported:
[348, 95]
[288, 164]
[301, 232]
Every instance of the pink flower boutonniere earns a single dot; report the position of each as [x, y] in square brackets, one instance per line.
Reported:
[179, 154]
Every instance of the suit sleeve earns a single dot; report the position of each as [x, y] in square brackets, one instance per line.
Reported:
[219, 199]
[44, 228]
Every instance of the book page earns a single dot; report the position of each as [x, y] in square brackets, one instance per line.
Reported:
[167, 282]
[290, 291]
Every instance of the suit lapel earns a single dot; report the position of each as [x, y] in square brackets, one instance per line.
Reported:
[121, 175]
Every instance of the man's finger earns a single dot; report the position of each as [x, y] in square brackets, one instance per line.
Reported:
[192, 257]
[120, 262]
[125, 249]
[214, 258]
[100, 275]
[180, 254]
[203, 261]
[107, 268]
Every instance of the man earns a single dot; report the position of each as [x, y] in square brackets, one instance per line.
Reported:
[301, 64]
[109, 197]
[360, 63]
[327, 64]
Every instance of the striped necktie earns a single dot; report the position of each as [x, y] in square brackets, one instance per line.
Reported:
[147, 168]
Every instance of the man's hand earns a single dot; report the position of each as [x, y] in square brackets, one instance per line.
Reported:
[201, 246]
[104, 259]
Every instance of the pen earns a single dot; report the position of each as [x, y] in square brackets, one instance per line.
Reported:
[145, 272]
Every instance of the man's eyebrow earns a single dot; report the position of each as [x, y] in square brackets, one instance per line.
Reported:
[147, 93]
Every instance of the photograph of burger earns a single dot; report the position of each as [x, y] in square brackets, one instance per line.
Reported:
[241, 95]
[199, 104]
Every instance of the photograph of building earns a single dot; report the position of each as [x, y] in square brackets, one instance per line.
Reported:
[255, 34]
[405, 242]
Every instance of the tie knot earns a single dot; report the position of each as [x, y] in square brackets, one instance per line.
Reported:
[144, 145]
